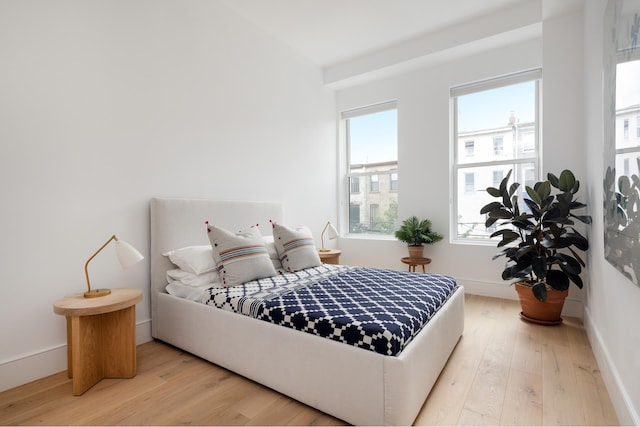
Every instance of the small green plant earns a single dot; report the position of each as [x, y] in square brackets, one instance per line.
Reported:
[416, 233]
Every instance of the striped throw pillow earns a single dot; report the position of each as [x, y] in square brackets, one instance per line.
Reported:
[295, 247]
[240, 257]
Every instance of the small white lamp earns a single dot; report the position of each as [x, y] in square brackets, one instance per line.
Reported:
[332, 233]
[127, 255]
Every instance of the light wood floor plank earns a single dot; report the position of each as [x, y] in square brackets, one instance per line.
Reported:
[503, 371]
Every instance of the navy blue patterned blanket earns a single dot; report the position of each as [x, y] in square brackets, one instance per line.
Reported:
[375, 309]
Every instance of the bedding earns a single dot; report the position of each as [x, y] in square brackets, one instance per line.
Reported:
[193, 259]
[374, 309]
[357, 386]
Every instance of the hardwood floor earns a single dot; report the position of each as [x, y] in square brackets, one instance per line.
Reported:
[503, 371]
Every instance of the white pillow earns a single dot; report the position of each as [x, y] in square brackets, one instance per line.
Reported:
[295, 247]
[190, 279]
[240, 257]
[193, 259]
[192, 293]
[273, 253]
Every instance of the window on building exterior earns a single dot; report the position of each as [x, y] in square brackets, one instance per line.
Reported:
[468, 148]
[355, 184]
[469, 182]
[498, 145]
[497, 178]
[394, 181]
[372, 155]
[626, 128]
[638, 127]
[501, 117]
[375, 183]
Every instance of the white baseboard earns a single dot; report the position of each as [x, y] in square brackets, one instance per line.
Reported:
[622, 403]
[572, 307]
[36, 365]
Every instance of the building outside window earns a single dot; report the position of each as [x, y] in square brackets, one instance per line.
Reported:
[371, 135]
[501, 117]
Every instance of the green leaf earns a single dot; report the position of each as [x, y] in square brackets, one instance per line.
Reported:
[489, 207]
[500, 213]
[567, 180]
[533, 194]
[493, 191]
[539, 265]
[508, 236]
[543, 190]
[490, 221]
[513, 188]
[558, 280]
[539, 291]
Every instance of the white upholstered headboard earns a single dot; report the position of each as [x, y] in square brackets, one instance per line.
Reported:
[176, 223]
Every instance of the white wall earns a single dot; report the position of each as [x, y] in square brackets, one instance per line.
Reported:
[424, 148]
[612, 301]
[105, 104]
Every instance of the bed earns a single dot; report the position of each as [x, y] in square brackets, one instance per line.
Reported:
[358, 386]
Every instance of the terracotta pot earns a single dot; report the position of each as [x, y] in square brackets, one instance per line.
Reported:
[536, 311]
[416, 252]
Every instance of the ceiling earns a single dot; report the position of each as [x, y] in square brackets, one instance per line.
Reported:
[332, 31]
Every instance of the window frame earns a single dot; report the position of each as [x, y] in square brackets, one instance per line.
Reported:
[345, 168]
[459, 165]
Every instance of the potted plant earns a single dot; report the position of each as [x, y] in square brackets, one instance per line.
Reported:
[416, 233]
[539, 242]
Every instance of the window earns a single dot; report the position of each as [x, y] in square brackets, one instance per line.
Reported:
[498, 145]
[497, 178]
[371, 135]
[469, 182]
[468, 148]
[375, 184]
[394, 181]
[626, 128]
[638, 127]
[500, 117]
[355, 184]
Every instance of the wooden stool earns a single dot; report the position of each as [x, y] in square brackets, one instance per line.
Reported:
[413, 262]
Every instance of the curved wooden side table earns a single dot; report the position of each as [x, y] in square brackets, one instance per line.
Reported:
[414, 262]
[330, 256]
[101, 336]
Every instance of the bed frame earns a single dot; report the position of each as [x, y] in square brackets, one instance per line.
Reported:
[358, 386]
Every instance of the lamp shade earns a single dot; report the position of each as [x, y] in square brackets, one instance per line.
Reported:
[332, 233]
[127, 254]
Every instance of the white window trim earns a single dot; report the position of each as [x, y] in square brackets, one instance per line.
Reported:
[345, 162]
[493, 83]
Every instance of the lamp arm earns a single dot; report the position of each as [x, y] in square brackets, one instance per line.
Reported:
[86, 265]
[322, 234]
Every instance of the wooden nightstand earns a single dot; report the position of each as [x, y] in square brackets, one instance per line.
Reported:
[101, 336]
[414, 262]
[332, 256]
